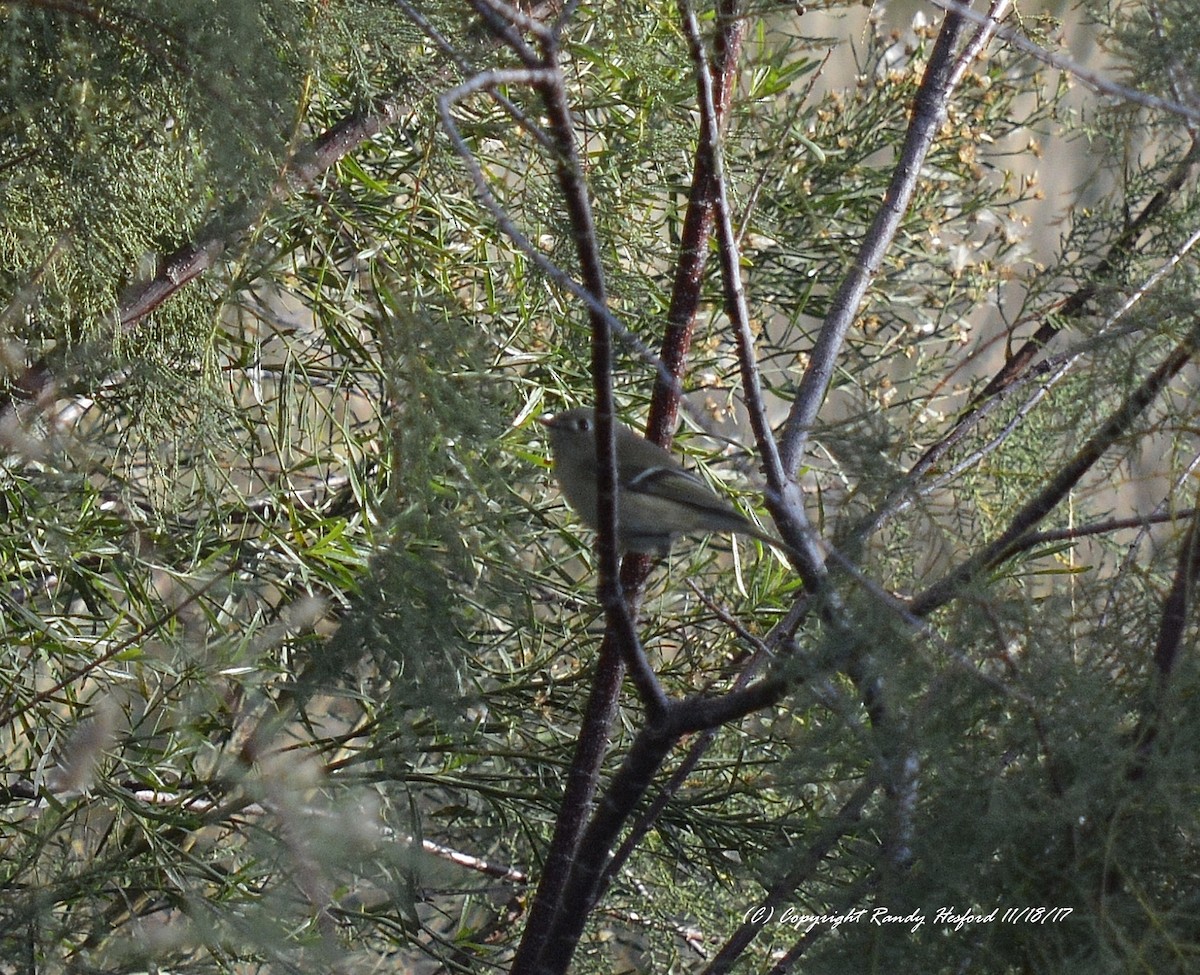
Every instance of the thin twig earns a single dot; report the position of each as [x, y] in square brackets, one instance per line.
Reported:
[1037, 508]
[787, 501]
[806, 866]
[1103, 528]
[1091, 78]
[1053, 370]
[929, 112]
[468, 70]
[1183, 477]
[693, 251]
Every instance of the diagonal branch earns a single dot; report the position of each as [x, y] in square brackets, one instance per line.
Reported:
[787, 501]
[1114, 428]
[645, 757]
[1093, 79]
[929, 112]
[805, 867]
[1046, 373]
[1078, 303]
[200, 254]
[697, 224]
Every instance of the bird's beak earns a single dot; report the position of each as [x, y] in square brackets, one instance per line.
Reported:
[546, 419]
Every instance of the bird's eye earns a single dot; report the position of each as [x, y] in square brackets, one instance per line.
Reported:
[583, 424]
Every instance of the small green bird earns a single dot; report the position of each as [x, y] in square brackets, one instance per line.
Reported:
[657, 500]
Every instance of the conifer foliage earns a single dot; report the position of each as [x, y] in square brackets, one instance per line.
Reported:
[306, 667]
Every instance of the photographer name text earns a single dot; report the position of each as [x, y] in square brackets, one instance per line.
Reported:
[948, 917]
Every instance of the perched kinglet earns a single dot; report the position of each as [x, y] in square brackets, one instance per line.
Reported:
[657, 500]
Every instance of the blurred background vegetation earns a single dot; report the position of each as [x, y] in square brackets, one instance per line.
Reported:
[295, 635]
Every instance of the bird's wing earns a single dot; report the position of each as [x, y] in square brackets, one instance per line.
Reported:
[682, 487]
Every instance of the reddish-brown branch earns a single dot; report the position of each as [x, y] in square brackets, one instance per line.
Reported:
[1176, 616]
[1079, 303]
[697, 227]
[1115, 427]
[199, 255]
[546, 912]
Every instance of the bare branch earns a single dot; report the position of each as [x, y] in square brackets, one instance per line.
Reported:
[1102, 528]
[929, 111]
[644, 759]
[1049, 497]
[821, 846]
[1092, 79]
[1049, 372]
[787, 502]
[697, 226]
[1078, 303]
